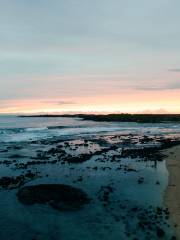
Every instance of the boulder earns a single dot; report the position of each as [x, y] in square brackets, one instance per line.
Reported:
[59, 196]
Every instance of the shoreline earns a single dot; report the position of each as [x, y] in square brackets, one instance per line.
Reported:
[121, 117]
[172, 193]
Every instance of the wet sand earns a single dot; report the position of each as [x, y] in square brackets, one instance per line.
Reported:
[172, 195]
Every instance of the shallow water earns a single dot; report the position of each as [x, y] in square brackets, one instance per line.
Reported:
[117, 218]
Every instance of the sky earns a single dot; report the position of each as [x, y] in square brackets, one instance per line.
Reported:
[89, 56]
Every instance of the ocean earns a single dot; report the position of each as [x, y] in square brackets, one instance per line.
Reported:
[18, 129]
[106, 160]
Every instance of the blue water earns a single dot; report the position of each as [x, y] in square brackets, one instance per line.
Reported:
[13, 129]
[94, 221]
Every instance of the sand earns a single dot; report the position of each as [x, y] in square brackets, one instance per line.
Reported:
[172, 195]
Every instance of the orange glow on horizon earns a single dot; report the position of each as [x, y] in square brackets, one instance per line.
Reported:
[126, 101]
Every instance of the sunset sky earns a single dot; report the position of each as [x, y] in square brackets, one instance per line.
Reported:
[89, 55]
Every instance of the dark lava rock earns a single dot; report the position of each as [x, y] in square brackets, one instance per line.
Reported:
[104, 194]
[11, 182]
[160, 232]
[16, 182]
[16, 156]
[59, 196]
[147, 153]
[3, 151]
[140, 180]
[77, 159]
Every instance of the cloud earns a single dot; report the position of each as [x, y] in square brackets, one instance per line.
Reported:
[174, 70]
[59, 102]
[149, 88]
[155, 111]
[171, 86]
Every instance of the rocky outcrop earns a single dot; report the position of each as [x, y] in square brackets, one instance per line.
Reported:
[59, 196]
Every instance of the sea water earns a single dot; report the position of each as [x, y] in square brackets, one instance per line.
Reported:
[94, 221]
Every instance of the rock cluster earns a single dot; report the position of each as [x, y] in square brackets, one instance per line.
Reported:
[58, 196]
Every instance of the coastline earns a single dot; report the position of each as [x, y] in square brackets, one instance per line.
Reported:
[90, 161]
[172, 194]
[121, 117]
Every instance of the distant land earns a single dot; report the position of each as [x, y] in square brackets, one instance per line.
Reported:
[139, 118]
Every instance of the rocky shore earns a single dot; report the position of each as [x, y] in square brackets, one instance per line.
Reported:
[94, 172]
[123, 117]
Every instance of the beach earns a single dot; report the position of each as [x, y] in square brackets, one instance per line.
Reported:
[172, 195]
